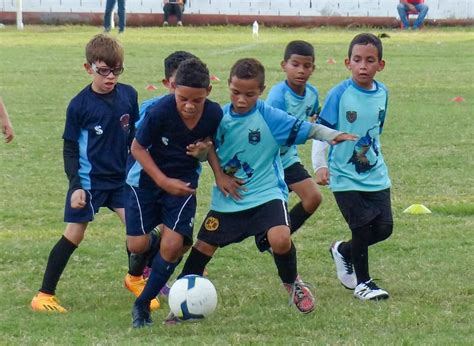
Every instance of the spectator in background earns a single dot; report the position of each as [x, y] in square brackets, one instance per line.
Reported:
[173, 7]
[406, 6]
[109, 7]
[5, 123]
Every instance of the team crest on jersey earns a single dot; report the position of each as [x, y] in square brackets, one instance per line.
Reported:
[211, 224]
[351, 116]
[254, 136]
[125, 121]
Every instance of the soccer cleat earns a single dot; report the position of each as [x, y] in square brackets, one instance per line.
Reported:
[344, 269]
[180, 23]
[172, 319]
[165, 23]
[369, 291]
[136, 284]
[47, 303]
[141, 315]
[301, 296]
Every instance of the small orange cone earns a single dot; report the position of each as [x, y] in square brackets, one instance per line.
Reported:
[151, 87]
[458, 99]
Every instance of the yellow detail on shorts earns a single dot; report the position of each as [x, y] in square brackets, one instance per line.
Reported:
[211, 224]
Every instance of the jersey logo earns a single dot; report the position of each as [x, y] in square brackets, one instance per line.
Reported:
[165, 140]
[234, 164]
[125, 121]
[98, 130]
[363, 158]
[211, 224]
[351, 116]
[254, 136]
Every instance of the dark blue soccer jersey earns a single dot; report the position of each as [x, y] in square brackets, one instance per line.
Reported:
[103, 130]
[166, 136]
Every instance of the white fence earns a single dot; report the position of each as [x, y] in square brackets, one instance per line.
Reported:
[439, 9]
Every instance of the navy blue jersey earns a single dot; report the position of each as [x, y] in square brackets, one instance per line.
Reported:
[166, 136]
[103, 130]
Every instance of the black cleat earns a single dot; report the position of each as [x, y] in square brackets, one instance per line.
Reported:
[141, 315]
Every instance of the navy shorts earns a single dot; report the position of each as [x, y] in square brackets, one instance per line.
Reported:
[221, 229]
[95, 199]
[147, 208]
[295, 173]
[360, 208]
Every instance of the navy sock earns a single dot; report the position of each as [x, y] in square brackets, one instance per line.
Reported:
[57, 261]
[160, 274]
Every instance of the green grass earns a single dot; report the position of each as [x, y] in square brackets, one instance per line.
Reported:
[426, 265]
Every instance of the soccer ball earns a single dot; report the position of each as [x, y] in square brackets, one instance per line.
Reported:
[192, 297]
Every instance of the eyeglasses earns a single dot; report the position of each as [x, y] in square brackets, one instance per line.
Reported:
[105, 71]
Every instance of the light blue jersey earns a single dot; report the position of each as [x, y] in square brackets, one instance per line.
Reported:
[281, 96]
[357, 166]
[144, 107]
[248, 147]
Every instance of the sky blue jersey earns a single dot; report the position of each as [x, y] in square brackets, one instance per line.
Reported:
[359, 165]
[281, 96]
[248, 147]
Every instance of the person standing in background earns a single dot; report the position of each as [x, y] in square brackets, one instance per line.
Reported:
[109, 7]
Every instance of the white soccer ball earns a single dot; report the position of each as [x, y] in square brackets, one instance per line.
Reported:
[192, 297]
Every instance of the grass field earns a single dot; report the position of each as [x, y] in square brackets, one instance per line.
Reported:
[427, 265]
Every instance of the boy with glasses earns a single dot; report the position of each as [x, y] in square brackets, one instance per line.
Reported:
[100, 123]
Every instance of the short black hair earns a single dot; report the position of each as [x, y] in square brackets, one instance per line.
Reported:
[298, 47]
[365, 39]
[248, 68]
[173, 60]
[192, 73]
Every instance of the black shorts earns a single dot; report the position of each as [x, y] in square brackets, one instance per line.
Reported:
[221, 229]
[360, 208]
[295, 173]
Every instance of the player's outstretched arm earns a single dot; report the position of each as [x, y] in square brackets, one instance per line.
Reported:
[320, 165]
[7, 128]
[172, 186]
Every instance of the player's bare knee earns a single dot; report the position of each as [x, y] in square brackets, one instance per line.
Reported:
[138, 244]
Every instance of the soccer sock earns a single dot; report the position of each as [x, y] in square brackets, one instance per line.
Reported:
[380, 232]
[360, 253]
[298, 216]
[57, 261]
[195, 263]
[138, 262]
[345, 249]
[160, 273]
[287, 265]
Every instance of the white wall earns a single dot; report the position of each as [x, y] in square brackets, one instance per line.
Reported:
[439, 9]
